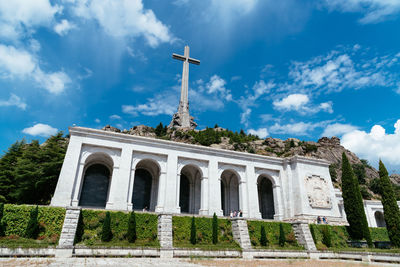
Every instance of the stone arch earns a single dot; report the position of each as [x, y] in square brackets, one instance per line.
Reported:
[230, 191]
[379, 219]
[265, 185]
[190, 189]
[145, 185]
[97, 173]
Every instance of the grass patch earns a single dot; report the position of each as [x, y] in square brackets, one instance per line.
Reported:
[340, 236]
[272, 232]
[20, 242]
[146, 228]
[181, 233]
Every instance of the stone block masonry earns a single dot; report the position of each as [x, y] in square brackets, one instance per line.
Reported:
[303, 235]
[241, 232]
[66, 243]
[165, 230]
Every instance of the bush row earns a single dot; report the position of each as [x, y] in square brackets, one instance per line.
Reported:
[92, 224]
[181, 227]
[272, 234]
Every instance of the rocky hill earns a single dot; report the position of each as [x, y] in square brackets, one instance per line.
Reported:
[328, 149]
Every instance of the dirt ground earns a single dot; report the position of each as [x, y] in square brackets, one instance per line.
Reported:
[152, 262]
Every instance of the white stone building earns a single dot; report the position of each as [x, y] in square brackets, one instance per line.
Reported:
[123, 172]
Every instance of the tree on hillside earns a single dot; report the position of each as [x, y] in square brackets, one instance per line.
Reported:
[390, 209]
[215, 229]
[7, 171]
[353, 204]
[29, 172]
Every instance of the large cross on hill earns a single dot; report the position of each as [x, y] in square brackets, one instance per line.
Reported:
[182, 119]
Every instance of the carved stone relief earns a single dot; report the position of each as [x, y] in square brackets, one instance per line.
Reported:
[318, 192]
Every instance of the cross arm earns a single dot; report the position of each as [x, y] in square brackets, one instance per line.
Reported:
[194, 61]
[182, 58]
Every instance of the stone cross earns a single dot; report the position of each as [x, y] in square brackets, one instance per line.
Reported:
[182, 119]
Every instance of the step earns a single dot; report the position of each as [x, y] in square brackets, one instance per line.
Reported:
[68, 231]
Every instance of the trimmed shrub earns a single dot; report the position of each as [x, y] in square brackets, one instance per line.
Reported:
[390, 209]
[132, 228]
[2, 225]
[106, 234]
[215, 229]
[32, 229]
[193, 232]
[312, 230]
[282, 238]
[263, 237]
[79, 229]
[326, 236]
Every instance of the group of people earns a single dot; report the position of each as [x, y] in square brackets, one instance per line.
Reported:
[322, 220]
[236, 214]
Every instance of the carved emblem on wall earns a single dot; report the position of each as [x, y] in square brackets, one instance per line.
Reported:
[318, 192]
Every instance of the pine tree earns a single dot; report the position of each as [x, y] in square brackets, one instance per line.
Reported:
[390, 209]
[282, 238]
[106, 233]
[215, 229]
[2, 224]
[353, 204]
[159, 130]
[32, 229]
[193, 232]
[7, 171]
[263, 237]
[132, 228]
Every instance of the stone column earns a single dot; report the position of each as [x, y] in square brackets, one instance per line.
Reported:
[214, 186]
[243, 198]
[254, 208]
[63, 194]
[276, 191]
[172, 186]
[119, 187]
[162, 184]
[130, 189]
[204, 196]
[78, 185]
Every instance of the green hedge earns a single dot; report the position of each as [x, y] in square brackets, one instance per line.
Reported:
[272, 231]
[181, 233]
[16, 218]
[340, 235]
[146, 228]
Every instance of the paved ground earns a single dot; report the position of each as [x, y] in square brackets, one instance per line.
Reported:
[153, 262]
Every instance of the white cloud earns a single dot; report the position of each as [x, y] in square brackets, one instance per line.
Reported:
[374, 10]
[337, 71]
[300, 103]
[13, 101]
[161, 104]
[244, 117]
[63, 27]
[233, 7]
[262, 132]
[97, 120]
[21, 17]
[375, 145]
[18, 63]
[217, 85]
[124, 19]
[115, 117]
[298, 128]
[40, 129]
[292, 102]
[338, 129]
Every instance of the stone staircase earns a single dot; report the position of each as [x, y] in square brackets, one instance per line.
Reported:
[303, 235]
[69, 228]
[241, 233]
[165, 230]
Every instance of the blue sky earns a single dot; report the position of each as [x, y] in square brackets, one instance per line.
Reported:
[287, 68]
